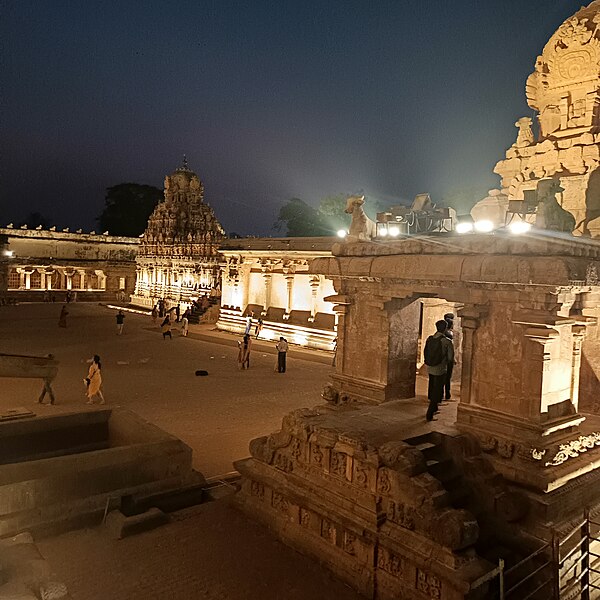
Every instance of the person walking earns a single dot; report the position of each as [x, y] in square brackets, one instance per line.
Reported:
[165, 327]
[177, 313]
[282, 348]
[258, 328]
[154, 315]
[248, 325]
[438, 353]
[120, 322]
[62, 319]
[449, 333]
[244, 352]
[94, 381]
[184, 325]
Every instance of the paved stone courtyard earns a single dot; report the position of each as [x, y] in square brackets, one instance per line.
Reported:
[211, 551]
[216, 415]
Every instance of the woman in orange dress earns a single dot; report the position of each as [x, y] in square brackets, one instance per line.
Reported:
[94, 381]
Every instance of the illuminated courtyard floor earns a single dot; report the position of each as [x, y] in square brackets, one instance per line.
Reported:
[216, 415]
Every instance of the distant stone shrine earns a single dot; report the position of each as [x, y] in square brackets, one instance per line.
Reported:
[178, 258]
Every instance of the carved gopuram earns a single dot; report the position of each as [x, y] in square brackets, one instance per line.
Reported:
[401, 508]
[564, 90]
[178, 258]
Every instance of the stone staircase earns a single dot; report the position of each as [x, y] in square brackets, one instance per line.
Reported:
[494, 543]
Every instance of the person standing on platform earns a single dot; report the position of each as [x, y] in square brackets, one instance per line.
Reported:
[94, 381]
[449, 333]
[62, 319]
[438, 353]
[282, 348]
[120, 322]
[244, 352]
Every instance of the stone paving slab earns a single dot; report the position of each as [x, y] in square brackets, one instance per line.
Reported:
[211, 552]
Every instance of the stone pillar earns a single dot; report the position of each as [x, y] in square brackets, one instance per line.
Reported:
[520, 385]
[289, 282]
[268, 282]
[315, 283]
[82, 279]
[589, 399]
[22, 275]
[377, 347]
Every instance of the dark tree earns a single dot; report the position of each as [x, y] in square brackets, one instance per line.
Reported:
[35, 219]
[127, 208]
[299, 219]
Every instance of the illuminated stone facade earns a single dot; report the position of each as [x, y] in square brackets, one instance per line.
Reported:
[564, 90]
[42, 263]
[178, 257]
[397, 506]
[268, 278]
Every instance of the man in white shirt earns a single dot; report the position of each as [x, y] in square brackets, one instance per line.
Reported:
[282, 348]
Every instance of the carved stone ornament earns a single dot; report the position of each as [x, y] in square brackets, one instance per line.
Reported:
[570, 450]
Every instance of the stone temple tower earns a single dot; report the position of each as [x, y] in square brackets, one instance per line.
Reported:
[178, 259]
[564, 91]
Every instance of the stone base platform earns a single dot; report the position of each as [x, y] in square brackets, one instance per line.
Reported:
[66, 470]
[341, 485]
[401, 508]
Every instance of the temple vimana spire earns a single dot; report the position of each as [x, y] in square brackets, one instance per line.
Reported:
[562, 141]
[178, 255]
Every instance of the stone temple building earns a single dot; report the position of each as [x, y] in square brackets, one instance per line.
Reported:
[178, 258]
[36, 264]
[500, 499]
[564, 141]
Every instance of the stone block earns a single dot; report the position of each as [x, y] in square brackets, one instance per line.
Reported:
[119, 526]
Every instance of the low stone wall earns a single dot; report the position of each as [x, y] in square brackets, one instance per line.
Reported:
[52, 494]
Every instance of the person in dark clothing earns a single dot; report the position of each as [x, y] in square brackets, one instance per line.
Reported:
[449, 333]
[282, 348]
[439, 352]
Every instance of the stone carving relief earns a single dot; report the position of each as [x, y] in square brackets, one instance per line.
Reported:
[429, 584]
[279, 502]
[570, 450]
[257, 489]
[362, 229]
[525, 136]
[389, 562]
[401, 515]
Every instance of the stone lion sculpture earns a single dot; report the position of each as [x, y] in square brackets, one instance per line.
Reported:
[362, 229]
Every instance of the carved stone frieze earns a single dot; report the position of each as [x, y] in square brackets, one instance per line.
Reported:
[389, 562]
[569, 450]
[429, 584]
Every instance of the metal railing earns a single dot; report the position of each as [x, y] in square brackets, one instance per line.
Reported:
[567, 567]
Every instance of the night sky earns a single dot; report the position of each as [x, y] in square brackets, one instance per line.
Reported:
[269, 100]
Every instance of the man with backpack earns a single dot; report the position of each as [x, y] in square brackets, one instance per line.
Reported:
[438, 354]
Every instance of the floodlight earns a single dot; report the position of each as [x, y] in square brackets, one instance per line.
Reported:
[464, 224]
[342, 233]
[519, 227]
[394, 230]
[464, 227]
[484, 226]
[382, 229]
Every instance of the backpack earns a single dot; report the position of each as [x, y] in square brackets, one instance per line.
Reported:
[434, 351]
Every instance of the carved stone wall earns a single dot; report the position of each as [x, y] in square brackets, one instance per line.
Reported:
[564, 89]
[365, 507]
[178, 258]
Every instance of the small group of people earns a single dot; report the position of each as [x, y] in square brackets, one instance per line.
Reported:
[245, 347]
[166, 325]
[439, 358]
[257, 327]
